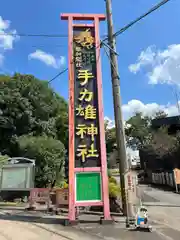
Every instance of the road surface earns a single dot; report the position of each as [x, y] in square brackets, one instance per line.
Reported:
[20, 225]
[164, 210]
[11, 230]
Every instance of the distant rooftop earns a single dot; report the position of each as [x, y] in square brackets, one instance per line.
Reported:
[168, 121]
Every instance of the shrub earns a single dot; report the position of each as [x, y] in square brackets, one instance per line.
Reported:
[114, 188]
[112, 180]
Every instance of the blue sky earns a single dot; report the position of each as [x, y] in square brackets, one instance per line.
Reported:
[145, 80]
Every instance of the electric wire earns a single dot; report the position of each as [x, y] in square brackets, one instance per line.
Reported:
[59, 74]
[66, 69]
[154, 8]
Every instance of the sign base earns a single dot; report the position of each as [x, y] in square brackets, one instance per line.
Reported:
[67, 222]
[106, 221]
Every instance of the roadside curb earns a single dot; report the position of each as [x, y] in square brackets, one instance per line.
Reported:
[94, 213]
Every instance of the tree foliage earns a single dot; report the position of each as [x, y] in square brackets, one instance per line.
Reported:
[110, 136]
[33, 123]
[114, 188]
[29, 106]
[138, 133]
[141, 134]
[49, 155]
[162, 143]
[3, 159]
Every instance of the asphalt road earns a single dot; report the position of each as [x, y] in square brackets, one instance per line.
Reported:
[20, 225]
[164, 211]
[118, 231]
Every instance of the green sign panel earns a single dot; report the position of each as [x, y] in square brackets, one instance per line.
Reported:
[88, 187]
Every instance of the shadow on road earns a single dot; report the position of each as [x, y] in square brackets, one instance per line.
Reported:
[47, 219]
[32, 219]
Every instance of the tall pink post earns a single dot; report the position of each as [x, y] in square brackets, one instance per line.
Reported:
[76, 171]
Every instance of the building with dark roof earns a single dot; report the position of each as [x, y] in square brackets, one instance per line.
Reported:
[172, 123]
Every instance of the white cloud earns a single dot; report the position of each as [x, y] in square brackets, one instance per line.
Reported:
[1, 59]
[6, 41]
[110, 123]
[163, 65]
[145, 58]
[48, 59]
[149, 109]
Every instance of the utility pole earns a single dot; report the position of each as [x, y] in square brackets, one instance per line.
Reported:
[120, 133]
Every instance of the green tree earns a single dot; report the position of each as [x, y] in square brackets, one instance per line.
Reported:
[138, 132]
[160, 114]
[110, 140]
[30, 106]
[3, 159]
[110, 136]
[162, 143]
[49, 155]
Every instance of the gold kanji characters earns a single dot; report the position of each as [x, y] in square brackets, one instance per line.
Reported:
[89, 112]
[84, 152]
[82, 130]
[85, 95]
[84, 76]
[80, 111]
[92, 152]
[86, 130]
[92, 131]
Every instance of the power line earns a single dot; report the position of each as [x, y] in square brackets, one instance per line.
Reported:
[63, 71]
[37, 35]
[156, 7]
[104, 47]
[48, 45]
[65, 35]
[34, 35]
